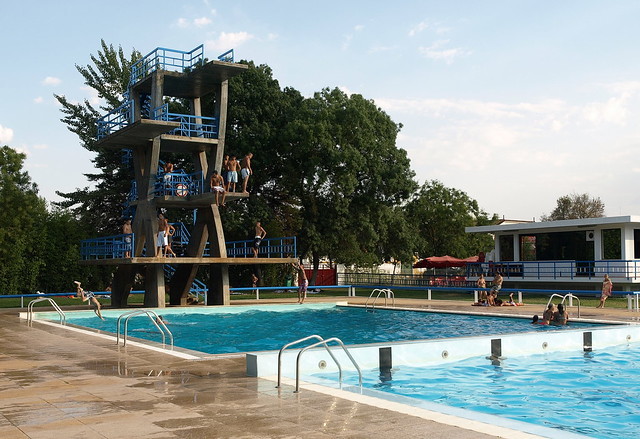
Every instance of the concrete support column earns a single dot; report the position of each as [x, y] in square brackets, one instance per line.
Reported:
[154, 294]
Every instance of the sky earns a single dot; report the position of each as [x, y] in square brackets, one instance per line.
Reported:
[516, 103]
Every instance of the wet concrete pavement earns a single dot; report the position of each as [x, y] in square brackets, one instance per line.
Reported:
[59, 384]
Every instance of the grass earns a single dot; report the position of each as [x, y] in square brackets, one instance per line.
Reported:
[541, 299]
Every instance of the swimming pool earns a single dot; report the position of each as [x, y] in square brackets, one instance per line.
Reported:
[269, 327]
[590, 393]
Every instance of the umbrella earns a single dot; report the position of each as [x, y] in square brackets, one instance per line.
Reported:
[441, 262]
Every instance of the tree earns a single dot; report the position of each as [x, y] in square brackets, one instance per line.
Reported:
[438, 216]
[21, 219]
[326, 168]
[100, 207]
[576, 206]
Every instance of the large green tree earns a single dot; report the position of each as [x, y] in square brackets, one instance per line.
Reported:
[576, 206]
[100, 205]
[21, 225]
[438, 216]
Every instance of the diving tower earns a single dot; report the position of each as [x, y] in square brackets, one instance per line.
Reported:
[145, 126]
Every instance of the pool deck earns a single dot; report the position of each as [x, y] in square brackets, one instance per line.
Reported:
[55, 383]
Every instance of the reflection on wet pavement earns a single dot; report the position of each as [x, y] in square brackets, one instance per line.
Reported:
[57, 385]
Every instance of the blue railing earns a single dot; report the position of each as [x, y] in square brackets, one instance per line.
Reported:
[190, 125]
[179, 184]
[166, 59]
[108, 247]
[559, 270]
[115, 120]
[227, 56]
[269, 248]
[114, 247]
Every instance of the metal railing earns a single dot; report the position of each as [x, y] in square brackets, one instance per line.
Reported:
[569, 270]
[115, 120]
[293, 343]
[404, 279]
[178, 184]
[157, 322]
[270, 248]
[324, 343]
[227, 56]
[108, 247]
[564, 298]
[63, 317]
[166, 59]
[190, 125]
[387, 294]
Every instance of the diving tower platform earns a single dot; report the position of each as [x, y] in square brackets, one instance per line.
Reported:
[148, 126]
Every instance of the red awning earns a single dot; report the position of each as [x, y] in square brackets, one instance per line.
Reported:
[442, 262]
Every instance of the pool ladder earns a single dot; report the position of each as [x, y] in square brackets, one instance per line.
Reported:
[570, 296]
[388, 294]
[63, 317]
[157, 322]
[321, 342]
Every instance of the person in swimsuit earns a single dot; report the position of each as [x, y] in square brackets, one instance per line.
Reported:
[258, 237]
[245, 170]
[303, 283]
[482, 283]
[548, 313]
[607, 287]
[127, 231]
[90, 297]
[162, 239]
[232, 174]
[560, 317]
[217, 186]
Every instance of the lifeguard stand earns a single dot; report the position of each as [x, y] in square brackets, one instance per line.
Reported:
[144, 126]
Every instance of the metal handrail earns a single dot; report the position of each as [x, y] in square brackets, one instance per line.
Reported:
[317, 337]
[571, 296]
[324, 342]
[63, 317]
[551, 298]
[387, 294]
[155, 320]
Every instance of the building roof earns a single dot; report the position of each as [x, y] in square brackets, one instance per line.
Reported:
[556, 225]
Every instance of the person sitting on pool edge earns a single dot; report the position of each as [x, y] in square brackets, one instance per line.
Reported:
[88, 296]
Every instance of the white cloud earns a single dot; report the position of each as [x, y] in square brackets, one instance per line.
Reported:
[93, 98]
[347, 42]
[51, 80]
[358, 27]
[438, 52]
[202, 21]
[38, 100]
[6, 134]
[182, 23]
[41, 146]
[418, 28]
[229, 40]
[378, 49]
[272, 37]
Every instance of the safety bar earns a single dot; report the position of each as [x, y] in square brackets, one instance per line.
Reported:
[317, 337]
[159, 324]
[387, 294]
[324, 342]
[63, 317]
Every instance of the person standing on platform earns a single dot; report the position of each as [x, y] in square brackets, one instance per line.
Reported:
[127, 231]
[259, 235]
[162, 239]
[245, 170]
[232, 174]
[217, 186]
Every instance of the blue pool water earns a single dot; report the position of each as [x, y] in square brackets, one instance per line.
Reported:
[595, 394]
[269, 327]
